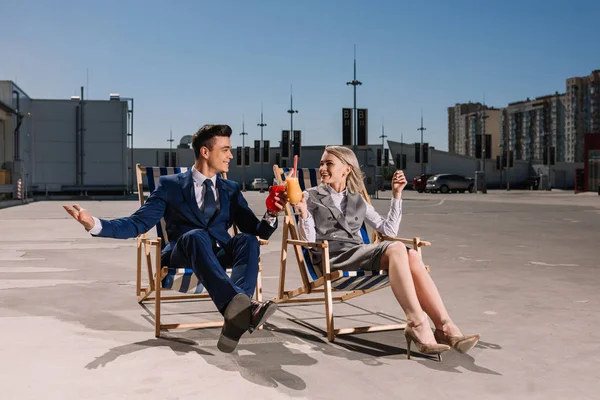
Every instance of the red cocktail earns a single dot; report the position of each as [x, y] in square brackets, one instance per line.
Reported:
[274, 191]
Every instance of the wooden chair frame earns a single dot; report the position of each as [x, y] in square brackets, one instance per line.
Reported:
[324, 283]
[148, 247]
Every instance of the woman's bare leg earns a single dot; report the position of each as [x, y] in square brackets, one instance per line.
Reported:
[429, 296]
[395, 260]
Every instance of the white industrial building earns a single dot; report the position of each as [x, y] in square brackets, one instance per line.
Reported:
[72, 146]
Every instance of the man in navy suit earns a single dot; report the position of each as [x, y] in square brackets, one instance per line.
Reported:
[199, 207]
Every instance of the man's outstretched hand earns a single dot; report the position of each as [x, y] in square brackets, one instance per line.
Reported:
[81, 215]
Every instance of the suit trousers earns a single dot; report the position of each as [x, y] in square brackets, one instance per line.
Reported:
[195, 249]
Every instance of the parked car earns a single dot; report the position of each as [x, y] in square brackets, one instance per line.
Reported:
[419, 182]
[445, 183]
[259, 183]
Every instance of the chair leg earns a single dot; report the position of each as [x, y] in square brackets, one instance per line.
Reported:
[259, 282]
[149, 265]
[283, 260]
[329, 311]
[157, 305]
[138, 278]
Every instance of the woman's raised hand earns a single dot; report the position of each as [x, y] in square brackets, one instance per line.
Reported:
[398, 183]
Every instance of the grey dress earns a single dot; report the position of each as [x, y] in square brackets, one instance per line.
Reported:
[347, 250]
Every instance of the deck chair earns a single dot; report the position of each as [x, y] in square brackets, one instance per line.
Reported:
[164, 278]
[347, 284]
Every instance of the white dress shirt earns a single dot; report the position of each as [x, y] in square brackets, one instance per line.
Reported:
[199, 190]
[388, 226]
[199, 187]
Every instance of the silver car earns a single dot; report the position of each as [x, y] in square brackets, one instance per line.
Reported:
[445, 183]
[259, 184]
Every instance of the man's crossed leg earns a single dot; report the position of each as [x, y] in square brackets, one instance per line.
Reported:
[232, 295]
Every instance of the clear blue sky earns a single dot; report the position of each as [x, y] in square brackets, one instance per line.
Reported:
[188, 63]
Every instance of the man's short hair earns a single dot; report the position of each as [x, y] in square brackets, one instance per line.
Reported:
[205, 136]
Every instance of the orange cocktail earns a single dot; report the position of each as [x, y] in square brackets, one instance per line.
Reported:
[294, 193]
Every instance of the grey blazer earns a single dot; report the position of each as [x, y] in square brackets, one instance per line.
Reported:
[342, 231]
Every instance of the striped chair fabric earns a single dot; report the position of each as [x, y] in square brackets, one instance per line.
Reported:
[350, 280]
[180, 279]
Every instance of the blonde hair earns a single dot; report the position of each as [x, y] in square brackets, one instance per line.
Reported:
[354, 181]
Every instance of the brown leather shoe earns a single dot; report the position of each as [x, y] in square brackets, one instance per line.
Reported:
[260, 313]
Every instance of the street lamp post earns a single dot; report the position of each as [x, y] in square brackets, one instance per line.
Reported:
[548, 149]
[243, 134]
[401, 152]
[170, 140]
[130, 136]
[502, 167]
[261, 157]
[383, 136]
[507, 145]
[484, 116]
[421, 148]
[547, 138]
[291, 111]
[355, 83]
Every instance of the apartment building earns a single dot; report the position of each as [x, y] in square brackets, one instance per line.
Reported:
[457, 137]
[466, 123]
[582, 113]
[531, 128]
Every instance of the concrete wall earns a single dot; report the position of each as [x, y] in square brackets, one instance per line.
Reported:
[440, 162]
[17, 164]
[6, 88]
[105, 143]
[562, 174]
[104, 157]
[5, 142]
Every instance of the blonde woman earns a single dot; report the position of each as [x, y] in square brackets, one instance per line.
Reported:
[335, 211]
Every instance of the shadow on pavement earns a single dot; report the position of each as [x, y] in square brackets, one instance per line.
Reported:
[263, 368]
[261, 357]
[369, 347]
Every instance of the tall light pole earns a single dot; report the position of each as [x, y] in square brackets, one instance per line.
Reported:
[243, 134]
[547, 138]
[401, 151]
[130, 138]
[355, 83]
[421, 148]
[383, 136]
[170, 140]
[484, 116]
[507, 158]
[291, 111]
[261, 156]
[548, 150]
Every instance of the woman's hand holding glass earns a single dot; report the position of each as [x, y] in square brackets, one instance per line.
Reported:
[301, 207]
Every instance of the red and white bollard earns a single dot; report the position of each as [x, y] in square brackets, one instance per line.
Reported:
[19, 189]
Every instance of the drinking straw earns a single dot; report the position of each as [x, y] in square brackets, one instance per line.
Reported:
[295, 172]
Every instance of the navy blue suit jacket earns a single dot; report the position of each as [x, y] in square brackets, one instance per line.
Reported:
[175, 200]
